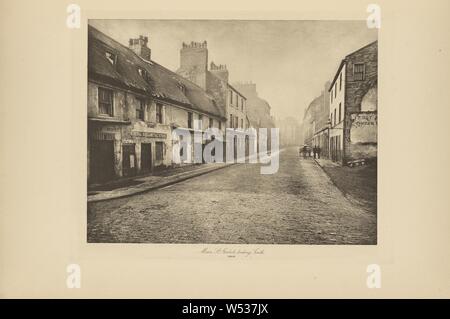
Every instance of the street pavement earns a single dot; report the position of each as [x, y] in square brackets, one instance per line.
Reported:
[237, 205]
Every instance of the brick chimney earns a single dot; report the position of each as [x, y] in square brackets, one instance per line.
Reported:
[139, 46]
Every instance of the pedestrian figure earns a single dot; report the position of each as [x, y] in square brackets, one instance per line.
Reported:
[314, 151]
[318, 152]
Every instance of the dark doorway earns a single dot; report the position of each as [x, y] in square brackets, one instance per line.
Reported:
[101, 161]
[235, 146]
[146, 157]
[247, 146]
[128, 159]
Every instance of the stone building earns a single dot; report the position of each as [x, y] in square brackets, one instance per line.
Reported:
[290, 131]
[194, 67]
[316, 123]
[353, 107]
[258, 109]
[215, 81]
[134, 104]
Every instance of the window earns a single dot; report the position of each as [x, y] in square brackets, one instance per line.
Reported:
[111, 57]
[358, 71]
[220, 125]
[335, 90]
[200, 122]
[182, 88]
[140, 110]
[331, 118]
[242, 123]
[334, 116]
[159, 113]
[331, 95]
[231, 121]
[340, 119]
[143, 73]
[231, 97]
[189, 119]
[211, 122]
[105, 101]
[159, 150]
[242, 105]
[340, 82]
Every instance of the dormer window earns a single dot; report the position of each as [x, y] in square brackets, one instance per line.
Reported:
[143, 73]
[180, 85]
[111, 57]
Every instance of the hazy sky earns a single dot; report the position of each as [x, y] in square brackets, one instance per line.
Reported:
[289, 61]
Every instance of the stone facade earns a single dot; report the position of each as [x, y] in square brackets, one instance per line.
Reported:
[316, 123]
[124, 128]
[361, 121]
[343, 120]
[133, 106]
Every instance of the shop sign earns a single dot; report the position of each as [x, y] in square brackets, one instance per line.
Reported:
[148, 134]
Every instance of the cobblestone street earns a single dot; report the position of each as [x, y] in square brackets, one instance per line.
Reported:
[238, 205]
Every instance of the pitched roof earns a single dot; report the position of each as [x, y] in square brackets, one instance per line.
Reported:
[341, 64]
[161, 83]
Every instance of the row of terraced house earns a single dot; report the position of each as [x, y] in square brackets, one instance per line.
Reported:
[342, 121]
[134, 104]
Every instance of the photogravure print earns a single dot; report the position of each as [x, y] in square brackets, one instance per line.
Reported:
[232, 132]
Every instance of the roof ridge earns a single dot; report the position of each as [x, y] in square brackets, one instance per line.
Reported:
[367, 45]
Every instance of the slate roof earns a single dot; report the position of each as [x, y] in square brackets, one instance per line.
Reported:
[341, 64]
[161, 83]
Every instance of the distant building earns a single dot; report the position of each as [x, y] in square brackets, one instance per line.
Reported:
[315, 125]
[134, 104]
[258, 109]
[290, 131]
[353, 107]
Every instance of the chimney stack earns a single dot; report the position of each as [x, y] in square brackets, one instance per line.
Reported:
[194, 62]
[139, 46]
[220, 71]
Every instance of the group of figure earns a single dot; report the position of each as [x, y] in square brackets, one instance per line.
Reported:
[306, 151]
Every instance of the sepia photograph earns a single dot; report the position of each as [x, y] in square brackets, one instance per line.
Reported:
[224, 159]
[232, 132]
